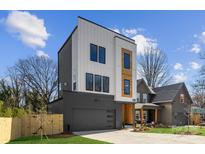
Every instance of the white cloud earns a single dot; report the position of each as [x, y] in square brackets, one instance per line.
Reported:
[129, 32]
[178, 66]
[41, 53]
[195, 65]
[195, 35]
[115, 30]
[143, 43]
[181, 77]
[196, 48]
[202, 37]
[28, 28]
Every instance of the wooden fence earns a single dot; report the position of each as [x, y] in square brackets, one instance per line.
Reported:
[12, 128]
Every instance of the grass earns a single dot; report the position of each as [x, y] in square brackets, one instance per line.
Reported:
[56, 140]
[178, 130]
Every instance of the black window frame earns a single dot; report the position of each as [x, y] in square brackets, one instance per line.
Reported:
[102, 55]
[127, 64]
[88, 87]
[98, 86]
[95, 57]
[126, 93]
[106, 87]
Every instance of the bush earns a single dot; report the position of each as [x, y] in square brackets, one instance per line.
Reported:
[11, 112]
[19, 112]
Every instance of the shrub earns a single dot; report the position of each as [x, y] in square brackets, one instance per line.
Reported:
[19, 112]
[11, 112]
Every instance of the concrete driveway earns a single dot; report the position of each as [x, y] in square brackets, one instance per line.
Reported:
[126, 136]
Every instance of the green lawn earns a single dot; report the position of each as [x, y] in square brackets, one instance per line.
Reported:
[178, 130]
[54, 140]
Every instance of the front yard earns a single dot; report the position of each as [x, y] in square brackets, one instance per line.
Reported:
[74, 139]
[193, 130]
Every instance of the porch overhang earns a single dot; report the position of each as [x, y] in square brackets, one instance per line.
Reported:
[139, 106]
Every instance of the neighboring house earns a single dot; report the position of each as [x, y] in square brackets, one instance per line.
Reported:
[168, 105]
[97, 79]
[197, 115]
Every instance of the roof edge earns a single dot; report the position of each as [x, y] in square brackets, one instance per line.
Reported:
[105, 27]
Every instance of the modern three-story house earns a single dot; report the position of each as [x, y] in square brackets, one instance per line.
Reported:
[97, 79]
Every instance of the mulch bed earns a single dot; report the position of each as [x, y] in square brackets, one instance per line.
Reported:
[62, 135]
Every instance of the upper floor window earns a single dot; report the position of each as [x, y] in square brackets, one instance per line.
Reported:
[145, 98]
[89, 81]
[97, 53]
[127, 87]
[181, 98]
[98, 82]
[93, 52]
[105, 84]
[102, 55]
[138, 97]
[126, 61]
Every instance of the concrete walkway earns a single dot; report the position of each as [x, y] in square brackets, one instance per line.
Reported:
[129, 137]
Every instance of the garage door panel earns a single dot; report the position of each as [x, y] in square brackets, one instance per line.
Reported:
[93, 119]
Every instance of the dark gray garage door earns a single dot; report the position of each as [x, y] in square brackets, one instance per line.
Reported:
[93, 119]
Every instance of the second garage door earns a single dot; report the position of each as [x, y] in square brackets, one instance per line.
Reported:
[93, 119]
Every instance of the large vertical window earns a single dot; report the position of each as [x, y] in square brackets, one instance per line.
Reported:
[89, 81]
[98, 82]
[144, 98]
[181, 98]
[126, 61]
[93, 52]
[127, 87]
[105, 84]
[138, 97]
[101, 55]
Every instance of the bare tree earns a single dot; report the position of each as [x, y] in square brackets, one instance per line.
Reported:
[199, 92]
[154, 68]
[40, 76]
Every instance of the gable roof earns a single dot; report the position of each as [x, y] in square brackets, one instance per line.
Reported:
[167, 93]
[139, 81]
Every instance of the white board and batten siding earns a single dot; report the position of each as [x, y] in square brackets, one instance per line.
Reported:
[87, 33]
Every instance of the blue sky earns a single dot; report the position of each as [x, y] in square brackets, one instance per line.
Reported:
[180, 34]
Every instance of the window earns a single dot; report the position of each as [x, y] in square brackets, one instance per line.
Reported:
[102, 55]
[97, 54]
[89, 81]
[138, 97]
[93, 52]
[181, 98]
[105, 84]
[74, 86]
[145, 98]
[126, 61]
[127, 87]
[98, 82]
[137, 115]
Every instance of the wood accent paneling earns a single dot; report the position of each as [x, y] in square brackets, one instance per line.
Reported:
[127, 113]
[126, 73]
